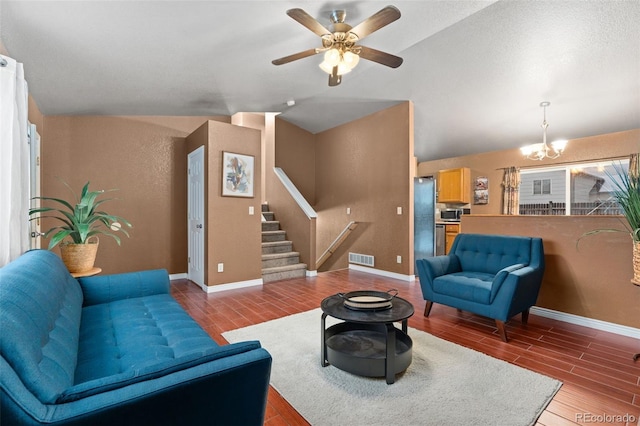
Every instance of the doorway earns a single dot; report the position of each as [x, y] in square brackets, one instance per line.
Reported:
[195, 215]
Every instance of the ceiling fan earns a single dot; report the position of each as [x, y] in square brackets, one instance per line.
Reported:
[341, 51]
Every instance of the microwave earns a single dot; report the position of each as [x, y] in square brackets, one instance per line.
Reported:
[453, 215]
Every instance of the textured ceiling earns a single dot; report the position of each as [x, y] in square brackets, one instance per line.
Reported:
[476, 71]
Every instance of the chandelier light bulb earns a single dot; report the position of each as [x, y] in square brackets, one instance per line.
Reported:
[350, 59]
[332, 57]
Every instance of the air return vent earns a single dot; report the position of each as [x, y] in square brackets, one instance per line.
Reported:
[361, 259]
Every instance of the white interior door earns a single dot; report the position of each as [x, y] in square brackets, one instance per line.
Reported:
[195, 213]
[34, 188]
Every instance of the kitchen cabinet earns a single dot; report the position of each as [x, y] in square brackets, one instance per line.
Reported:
[450, 232]
[454, 186]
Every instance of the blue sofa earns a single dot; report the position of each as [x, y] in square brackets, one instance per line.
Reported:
[116, 350]
[496, 276]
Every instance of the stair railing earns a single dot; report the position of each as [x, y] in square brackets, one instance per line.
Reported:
[336, 243]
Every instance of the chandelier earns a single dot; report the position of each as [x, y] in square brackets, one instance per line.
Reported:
[540, 151]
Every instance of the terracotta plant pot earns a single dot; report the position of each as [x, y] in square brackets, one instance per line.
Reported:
[79, 257]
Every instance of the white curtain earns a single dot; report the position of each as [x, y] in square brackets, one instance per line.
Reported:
[14, 161]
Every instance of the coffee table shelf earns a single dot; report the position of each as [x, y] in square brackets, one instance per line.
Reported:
[362, 349]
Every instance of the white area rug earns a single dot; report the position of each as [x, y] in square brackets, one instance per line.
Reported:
[446, 384]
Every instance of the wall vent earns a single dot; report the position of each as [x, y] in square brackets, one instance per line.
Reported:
[361, 259]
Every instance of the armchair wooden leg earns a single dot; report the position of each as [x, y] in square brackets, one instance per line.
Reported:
[501, 330]
[427, 308]
[525, 316]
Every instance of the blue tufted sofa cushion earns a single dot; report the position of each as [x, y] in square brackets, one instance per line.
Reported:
[489, 254]
[40, 312]
[132, 334]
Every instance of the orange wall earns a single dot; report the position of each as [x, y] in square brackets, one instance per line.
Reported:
[295, 153]
[145, 158]
[232, 235]
[367, 165]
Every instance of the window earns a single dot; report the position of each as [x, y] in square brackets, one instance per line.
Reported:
[541, 186]
[578, 189]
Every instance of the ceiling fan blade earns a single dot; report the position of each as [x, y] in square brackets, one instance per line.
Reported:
[335, 78]
[380, 57]
[295, 57]
[376, 21]
[308, 21]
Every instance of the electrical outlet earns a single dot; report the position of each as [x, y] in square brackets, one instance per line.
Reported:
[399, 210]
[348, 210]
[251, 211]
[220, 267]
[398, 259]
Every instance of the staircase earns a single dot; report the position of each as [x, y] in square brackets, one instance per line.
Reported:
[279, 262]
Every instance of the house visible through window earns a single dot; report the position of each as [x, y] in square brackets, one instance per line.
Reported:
[578, 189]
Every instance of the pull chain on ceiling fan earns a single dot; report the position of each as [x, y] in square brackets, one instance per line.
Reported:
[341, 53]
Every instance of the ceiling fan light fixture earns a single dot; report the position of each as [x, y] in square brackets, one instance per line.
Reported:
[350, 59]
[332, 57]
[345, 63]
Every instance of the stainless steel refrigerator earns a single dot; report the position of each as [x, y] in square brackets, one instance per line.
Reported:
[424, 217]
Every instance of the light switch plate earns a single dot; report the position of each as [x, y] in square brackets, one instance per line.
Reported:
[220, 267]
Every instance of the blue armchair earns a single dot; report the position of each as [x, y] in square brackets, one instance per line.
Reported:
[497, 276]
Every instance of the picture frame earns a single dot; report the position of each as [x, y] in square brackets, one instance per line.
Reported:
[237, 175]
[481, 190]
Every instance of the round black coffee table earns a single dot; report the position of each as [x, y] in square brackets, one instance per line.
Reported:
[367, 343]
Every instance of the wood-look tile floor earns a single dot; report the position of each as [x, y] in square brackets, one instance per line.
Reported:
[601, 382]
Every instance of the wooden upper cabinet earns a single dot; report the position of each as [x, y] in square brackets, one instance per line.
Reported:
[454, 186]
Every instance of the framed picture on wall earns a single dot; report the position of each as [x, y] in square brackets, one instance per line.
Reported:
[237, 175]
[481, 190]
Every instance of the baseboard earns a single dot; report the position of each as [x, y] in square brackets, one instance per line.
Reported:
[395, 275]
[312, 273]
[183, 276]
[622, 330]
[232, 286]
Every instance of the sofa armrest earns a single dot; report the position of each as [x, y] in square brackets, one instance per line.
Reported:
[501, 276]
[519, 290]
[231, 390]
[433, 267]
[108, 288]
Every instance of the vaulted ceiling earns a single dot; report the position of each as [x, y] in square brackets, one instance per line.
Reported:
[476, 71]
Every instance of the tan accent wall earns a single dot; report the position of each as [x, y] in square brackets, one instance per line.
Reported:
[256, 121]
[367, 165]
[35, 116]
[233, 236]
[296, 155]
[145, 158]
[590, 279]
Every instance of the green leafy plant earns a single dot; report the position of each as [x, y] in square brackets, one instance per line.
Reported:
[626, 192]
[82, 220]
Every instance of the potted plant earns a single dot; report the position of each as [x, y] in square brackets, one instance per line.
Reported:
[626, 191]
[82, 222]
